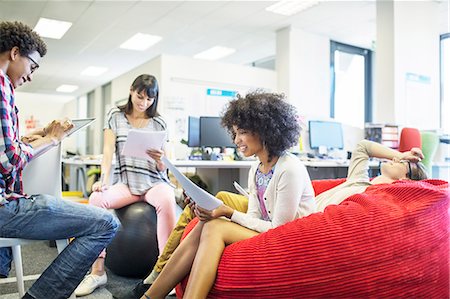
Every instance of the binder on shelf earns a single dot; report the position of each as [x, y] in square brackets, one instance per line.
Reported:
[383, 133]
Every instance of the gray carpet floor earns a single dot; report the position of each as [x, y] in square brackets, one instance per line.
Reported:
[37, 256]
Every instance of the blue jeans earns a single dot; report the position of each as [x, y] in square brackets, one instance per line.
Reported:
[44, 217]
[5, 260]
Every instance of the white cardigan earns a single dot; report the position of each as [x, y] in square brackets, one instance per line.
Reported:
[288, 196]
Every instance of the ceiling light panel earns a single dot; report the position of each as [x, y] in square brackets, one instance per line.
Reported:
[52, 28]
[66, 88]
[289, 7]
[93, 71]
[215, 53]
[140, 42]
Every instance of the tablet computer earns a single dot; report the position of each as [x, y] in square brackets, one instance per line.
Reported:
[79, 124]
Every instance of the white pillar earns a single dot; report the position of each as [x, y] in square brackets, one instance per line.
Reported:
[407, 45]
[384, 91]
[303, 70]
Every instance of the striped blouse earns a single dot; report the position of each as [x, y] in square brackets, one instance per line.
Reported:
[138, 174]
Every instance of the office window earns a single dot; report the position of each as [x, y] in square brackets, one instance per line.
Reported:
[82, 104]
[445, 82]
[104, 108]
[351, 95]
[90, 130]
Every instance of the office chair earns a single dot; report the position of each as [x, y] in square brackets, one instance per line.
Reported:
[430, 143]
[409, 138]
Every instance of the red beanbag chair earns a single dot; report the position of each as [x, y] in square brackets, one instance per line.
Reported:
[391, 241]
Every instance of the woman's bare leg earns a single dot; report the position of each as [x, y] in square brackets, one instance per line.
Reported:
[178, 266]
[216, 234]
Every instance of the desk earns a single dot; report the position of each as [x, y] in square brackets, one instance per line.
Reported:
[77, 173]
[220, 175]
[213, 164]
[441, 170]
[334, 169]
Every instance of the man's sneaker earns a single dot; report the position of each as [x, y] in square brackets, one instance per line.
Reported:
[90, 283]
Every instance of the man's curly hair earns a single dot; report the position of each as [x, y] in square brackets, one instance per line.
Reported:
[267, 115]
[17, 34]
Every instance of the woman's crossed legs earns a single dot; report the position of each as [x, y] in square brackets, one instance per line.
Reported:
[198, 254]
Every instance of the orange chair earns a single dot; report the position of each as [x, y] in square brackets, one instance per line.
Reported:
[409, 138]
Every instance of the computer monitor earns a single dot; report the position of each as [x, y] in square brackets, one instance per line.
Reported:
[193, 131]
[212, 134]
[325, 133]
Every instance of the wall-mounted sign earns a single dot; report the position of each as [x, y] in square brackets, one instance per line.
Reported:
[418, 78]
[220, 92]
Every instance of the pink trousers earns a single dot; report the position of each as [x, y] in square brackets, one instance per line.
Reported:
[161, 196]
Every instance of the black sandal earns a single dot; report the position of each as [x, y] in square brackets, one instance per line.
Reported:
[140, 289]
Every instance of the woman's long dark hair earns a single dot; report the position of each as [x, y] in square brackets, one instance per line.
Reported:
[150, 85]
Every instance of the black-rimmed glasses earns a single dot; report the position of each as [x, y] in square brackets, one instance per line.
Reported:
[409, 174]
[34, 66]
[409, 171]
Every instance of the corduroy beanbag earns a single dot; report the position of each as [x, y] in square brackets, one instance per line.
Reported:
[391, 241]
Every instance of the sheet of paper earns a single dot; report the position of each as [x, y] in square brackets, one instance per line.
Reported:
[139, 141]
[197, 194]
[240, 189]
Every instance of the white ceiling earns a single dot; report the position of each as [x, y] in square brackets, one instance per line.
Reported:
[187, 27]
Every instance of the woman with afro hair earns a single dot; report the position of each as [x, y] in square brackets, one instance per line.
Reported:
[262, 125]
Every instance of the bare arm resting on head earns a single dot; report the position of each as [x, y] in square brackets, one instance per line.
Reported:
[366, 149]
[378, 150]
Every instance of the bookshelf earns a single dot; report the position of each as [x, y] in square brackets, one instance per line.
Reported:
[382, 133]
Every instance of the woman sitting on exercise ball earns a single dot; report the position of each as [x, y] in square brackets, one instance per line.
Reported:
[264, 125]
[135, 179]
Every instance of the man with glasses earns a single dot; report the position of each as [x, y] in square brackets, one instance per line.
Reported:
[41, 217]
[34, 66]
